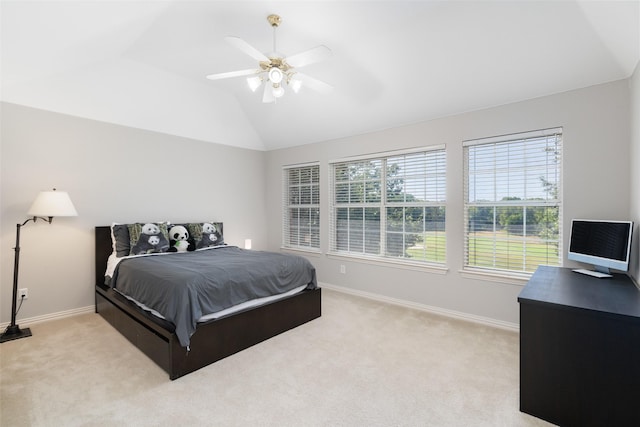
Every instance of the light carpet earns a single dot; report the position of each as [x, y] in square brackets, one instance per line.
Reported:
[363, 363]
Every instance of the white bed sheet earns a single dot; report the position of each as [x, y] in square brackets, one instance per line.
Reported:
[248, 304]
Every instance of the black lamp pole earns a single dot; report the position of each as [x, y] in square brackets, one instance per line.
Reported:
[13, 331]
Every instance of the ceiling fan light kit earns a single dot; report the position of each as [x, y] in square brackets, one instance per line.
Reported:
[275, 70]
[254, 83]
[275, 75]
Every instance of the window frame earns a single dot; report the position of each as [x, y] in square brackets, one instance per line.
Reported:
[554, 163]
[287, 205]
[382, 204]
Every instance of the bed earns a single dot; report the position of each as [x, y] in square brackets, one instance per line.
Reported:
[214, 339]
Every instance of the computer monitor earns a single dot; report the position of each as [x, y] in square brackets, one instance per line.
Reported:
[604, 244]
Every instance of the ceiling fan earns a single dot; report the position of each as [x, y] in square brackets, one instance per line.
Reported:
[275, 70]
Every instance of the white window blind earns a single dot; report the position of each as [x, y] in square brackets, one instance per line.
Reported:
[390, 206]
[513, 209]
[301, 207]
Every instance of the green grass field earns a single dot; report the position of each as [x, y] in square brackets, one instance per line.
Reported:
[511, 252]
[502, 250]
[433, 248]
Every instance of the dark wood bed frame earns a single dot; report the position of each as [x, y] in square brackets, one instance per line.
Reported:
[213, 340]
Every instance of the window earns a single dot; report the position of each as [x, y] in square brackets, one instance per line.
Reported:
[301, 210]
[513, 209]
[390, 206]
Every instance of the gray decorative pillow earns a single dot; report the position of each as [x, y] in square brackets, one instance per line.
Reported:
[120, 237]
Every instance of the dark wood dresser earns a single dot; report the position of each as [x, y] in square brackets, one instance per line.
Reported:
[580, 349]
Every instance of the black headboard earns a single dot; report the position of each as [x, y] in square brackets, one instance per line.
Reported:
[103, 250]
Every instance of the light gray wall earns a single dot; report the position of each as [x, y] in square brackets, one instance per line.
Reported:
[115, 173]
[596, 183]
[634, 195]
[112, 173]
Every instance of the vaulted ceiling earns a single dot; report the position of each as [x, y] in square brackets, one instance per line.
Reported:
[143, 64]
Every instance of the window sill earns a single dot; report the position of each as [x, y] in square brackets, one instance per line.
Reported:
[391, 263]
[519, 279]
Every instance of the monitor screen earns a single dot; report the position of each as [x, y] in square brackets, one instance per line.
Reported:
[604, 244]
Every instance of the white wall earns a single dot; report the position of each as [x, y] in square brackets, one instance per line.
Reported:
[634, 114]
[112, 173]
[596, 184]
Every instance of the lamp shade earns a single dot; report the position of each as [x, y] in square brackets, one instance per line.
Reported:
[254, 83]
[278, 91]
[275, 75]
[296, 85]
[52, 203]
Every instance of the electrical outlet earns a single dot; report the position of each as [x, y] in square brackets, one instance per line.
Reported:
[23, 293]
[343, 269]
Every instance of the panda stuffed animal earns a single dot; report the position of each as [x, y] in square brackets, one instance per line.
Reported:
[179, 239]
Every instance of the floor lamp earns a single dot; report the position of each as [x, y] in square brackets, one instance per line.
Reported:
[47, 205]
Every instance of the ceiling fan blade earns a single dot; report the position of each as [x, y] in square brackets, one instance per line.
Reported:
[313, 83]
[237, 42]
[232, 74]
[267, 95]
[311, 56]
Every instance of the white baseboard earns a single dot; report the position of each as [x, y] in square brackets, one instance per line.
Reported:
[487, 321]
[376, 297]
[51, 316]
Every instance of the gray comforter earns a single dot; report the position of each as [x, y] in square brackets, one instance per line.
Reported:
[186, 286]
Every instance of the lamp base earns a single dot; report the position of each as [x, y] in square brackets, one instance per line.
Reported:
[14, 332]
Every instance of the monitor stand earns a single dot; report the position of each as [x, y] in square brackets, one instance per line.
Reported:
[594, 273]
